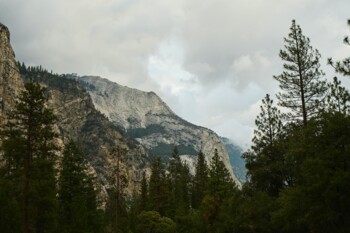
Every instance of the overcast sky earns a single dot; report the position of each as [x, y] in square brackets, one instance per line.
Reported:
[211, 61]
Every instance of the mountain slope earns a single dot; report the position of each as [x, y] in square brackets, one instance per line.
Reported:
[94, 133]
[146, 118]
[10, 81]
[236, 160]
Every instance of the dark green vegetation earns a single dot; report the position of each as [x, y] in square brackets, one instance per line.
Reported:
[31, 197]
[298, 169]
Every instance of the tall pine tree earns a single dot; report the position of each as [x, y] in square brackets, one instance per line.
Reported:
[178, 179]
[159, 190]
[265, 163]
[301, 80]
[77, 198]
[29, 152]
[200, 181]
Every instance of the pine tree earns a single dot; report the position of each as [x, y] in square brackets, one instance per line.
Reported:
[342, 67]
[144, 193]
[178, 179]
[319, 202]
[29, 152]
[220, 183]
[338, 98]
[77, 197]
[159, 191]
[265, 163]
[301, 80]
[200, 181]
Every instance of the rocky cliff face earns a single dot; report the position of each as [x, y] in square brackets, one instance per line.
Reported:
[236, 160]
[77, 119]
[10, 81]
[106, 117]
[93, 132]
[146, 118]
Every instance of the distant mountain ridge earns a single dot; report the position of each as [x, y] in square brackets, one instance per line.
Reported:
[147, 118]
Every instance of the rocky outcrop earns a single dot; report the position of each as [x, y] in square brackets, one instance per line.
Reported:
[10, 81]
[236, 160]
[146, 118]
[78, 119]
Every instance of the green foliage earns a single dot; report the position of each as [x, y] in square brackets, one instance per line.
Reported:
[112, 223]
[29, 157]
[165, 149]
[142, 132]
[144, 193]
[301, 80]
[220, 183]
[153, 222]
[77, 197]
[338, 98]
[200, 181]
[159, 190]
[266, 161]
[179, 179]
[322, 193]
[342, 67]
[219, 189]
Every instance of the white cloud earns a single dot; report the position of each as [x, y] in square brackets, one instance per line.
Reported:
[211, 61]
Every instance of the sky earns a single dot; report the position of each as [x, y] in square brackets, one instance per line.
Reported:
[211, 61]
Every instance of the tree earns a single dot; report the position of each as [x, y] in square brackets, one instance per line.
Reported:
[30, 153]
[220, 186]
[220, 183]
[200, 180]
[265, 163]
[159, 192]
[77, 197]
[144, 193]
[320, 201]
[342, 67]
[338, 98]
[178, 179]
[301, 80]
[153, 222]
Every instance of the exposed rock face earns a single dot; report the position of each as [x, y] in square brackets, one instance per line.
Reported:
[77, 119]
[150, 126]
[237, 162]
[10, 81]
[145, 117]
[94, 133]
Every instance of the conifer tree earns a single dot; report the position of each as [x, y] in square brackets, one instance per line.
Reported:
[265, 163]
[159, 192]
[77, 197]
[178, 179]
[200, 181]
[29, 153]
[338, 98]
[220, 183]
[301, 80]
[342, 67]
[144, 193]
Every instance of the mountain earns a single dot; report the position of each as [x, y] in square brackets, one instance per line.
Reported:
[236, 160]
[144, 117]
[10, 80]
[101, 116]
[77, 119]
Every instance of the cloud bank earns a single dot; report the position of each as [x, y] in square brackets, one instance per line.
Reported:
[211, 61]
